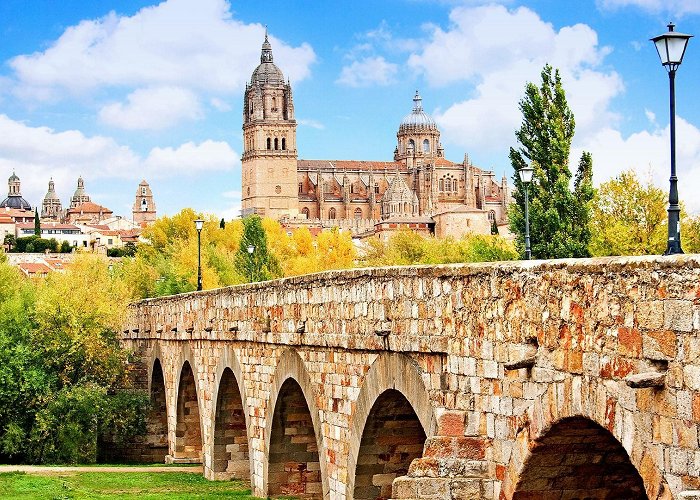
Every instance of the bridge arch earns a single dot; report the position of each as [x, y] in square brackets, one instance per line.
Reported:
[392, 377]
[292, 386]
[584, 425]
[188, 441]
[230, 437]
[157, 416]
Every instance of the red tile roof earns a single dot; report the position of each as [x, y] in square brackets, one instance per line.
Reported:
[30, 268]
[90, 208]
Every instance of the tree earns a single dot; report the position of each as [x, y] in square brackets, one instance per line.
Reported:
[558, 216]
[37, 223]
[260, 264]
[10, 241]
[628, 217]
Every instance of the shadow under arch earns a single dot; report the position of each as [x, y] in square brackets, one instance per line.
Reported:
[291, 367]
[188, 423]
[390, 371]
[229, 364]
[577, 458]
[540, 422]
[156, 446]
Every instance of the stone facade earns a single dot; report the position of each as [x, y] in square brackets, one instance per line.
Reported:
[418, 184]
[144, 209]
[550, 379]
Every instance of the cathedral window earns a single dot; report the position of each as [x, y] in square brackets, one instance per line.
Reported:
[144, 206]
[274, 104]
[358, 213]
[301, 186]
[331, 213]
[352, 188]
[441, 184]
[269, 143]
[426, 146]
[305, 211]
[412, 144]
[454, 185]
[376, 188]
[284, 144]
[492, 216]
[276, 144]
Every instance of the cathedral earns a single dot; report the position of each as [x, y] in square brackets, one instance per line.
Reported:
[420, 189]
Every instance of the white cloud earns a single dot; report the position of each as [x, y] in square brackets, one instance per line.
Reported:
[152, 109]
[500, 66]
[312, 123]
[220, 104]
[38, 153]
[367, 72]
[677, 7]
[647, 153]
[195, 44]
[191, 158]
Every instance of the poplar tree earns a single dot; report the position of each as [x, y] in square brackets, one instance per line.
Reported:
[260, 264]
[559, 216]
[37, 224]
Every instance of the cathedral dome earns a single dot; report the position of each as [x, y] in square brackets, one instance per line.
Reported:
[13, 178]
[15, 202]
[51, 193]
[418, 118]
[267, 71]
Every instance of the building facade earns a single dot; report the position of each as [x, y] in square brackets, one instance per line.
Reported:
[419, 187]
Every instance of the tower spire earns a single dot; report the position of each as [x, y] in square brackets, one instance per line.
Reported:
[266, 54]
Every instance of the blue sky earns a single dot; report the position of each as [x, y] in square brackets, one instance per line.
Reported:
[117, 91]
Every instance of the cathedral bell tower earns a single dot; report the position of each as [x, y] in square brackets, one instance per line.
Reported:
[269, 161]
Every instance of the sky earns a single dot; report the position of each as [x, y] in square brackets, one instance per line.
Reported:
[119, 91]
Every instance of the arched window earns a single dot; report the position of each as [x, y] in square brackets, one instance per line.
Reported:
[454, 185]
[352, 188]
[300, 187]
[411, 144]
[358, 213]
[376, 188]
[441, 184]
[305, 211]
[269, 143]
[274, 104]
[426, 146]
[331, 213]
[276, 144]
[284, 143]
[492, 216]
[144, 206]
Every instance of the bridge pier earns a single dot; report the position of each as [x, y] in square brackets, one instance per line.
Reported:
[493, 381]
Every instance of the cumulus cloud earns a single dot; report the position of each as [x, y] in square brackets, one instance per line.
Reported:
[648, 152]
[367, 72]
[152, 109]
[499, 67]
[38, 153]
[677, 7]
[194, 44]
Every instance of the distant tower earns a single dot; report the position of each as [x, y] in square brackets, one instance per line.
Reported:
[269, 161]
[144, 209]
[80, 196]
[51, 207]
[14, 196]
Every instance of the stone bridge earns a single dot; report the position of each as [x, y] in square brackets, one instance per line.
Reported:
[568, 379]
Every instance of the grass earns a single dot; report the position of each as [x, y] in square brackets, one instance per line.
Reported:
[118, 485]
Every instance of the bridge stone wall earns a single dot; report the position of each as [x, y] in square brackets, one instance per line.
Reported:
[555, 379]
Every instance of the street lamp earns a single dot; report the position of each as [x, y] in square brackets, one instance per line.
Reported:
[671, 48]
[525, 174]
[199, 224]
[251, 249]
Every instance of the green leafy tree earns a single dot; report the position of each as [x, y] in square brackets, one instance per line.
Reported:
[260, 264]
[10, 242]
[37, 223]
[558, 216]
[629, 217]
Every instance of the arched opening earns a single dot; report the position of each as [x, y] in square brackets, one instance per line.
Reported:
[426, 146]
[305, 212]
[358, 213]
[441, 184]
[230, 434]
[294, 467]
[331, 213]
[284, 143]
[454, 185]
[392, 437]
[188, 433]
[276, 144]
[157, 418]
[269, 143]
[579, 459]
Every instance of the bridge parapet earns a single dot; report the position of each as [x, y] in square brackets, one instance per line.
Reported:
[498, 361]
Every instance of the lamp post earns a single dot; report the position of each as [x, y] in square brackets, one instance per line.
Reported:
[525, 174]
[671, 48]
[199, 224]
[251, 249]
